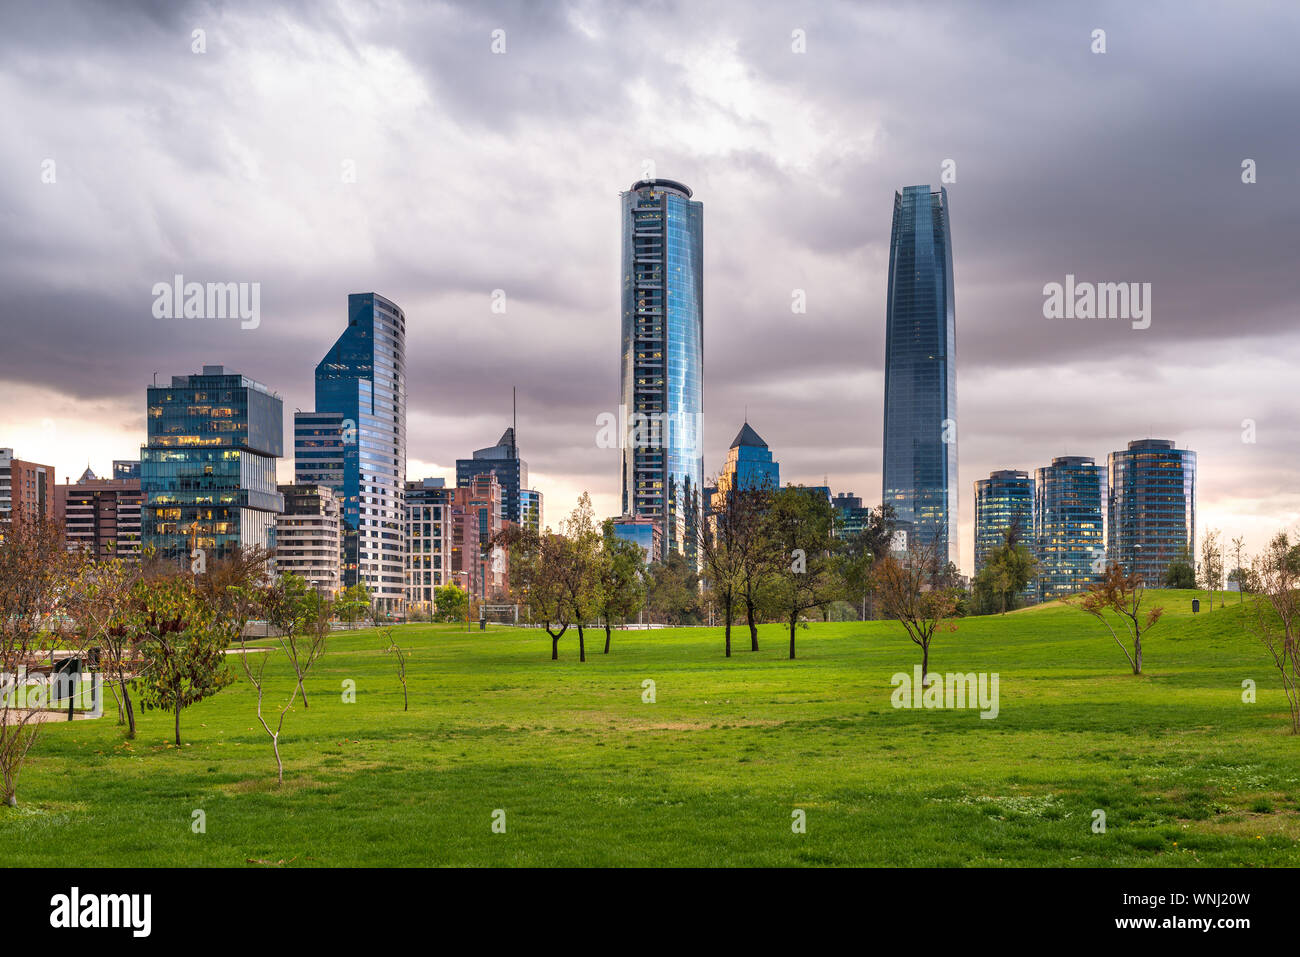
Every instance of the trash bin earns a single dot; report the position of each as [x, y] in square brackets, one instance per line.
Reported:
[1196, 605]
[66, 673]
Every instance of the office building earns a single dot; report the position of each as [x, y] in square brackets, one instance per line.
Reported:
[101, 517]
[851, 515]
[644, 531]
[477, 565]
[361, 409]
[1069, 528]
[530, 509]
[920, 430]
[208, 470]
[308, 537]
[749, 465]
[428, 542]
[503, 461]
[1151, 508]
[1002, 501]
[661, 390]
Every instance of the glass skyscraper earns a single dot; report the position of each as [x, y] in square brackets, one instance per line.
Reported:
[1068, 525]
[208, 470]
[920, 437]
[361, 409]
[1151, 509]
[503, 461]
[1003, 500]
[661, 358]
[749, 465]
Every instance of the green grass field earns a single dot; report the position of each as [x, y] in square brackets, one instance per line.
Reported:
[710, 773]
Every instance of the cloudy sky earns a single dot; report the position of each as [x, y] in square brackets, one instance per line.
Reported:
[477, 171]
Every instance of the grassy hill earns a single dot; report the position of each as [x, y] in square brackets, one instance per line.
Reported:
[587, 774]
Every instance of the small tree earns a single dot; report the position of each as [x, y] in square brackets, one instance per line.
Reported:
[106, 601]
[353, 603]
[1275, 587]
[721, 551]
[451, 602]
[394, 649]
[799, 526]
[1211, 563]
[1120, 595]
[185, 647]
[619, 588]
[912, 591]
[1238, 574]
[302, 616]
[577, 571]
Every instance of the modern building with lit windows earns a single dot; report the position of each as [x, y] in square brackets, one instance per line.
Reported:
[428, 542]
[1003, 500]
[308, 537]
[503, 461]
[1069, 530]
[920, 433]
[1151, 507]
[661, 397]
[208, 470]
[101, 517]
[26, 489]
[749, 465]
[361, 384]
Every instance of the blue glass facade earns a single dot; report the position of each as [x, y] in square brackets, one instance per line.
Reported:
[920, 434]
[1151, 508]
[1002, 501]
[503, 461]
[661, 397]
[362, 383]
[749, 465]
[208, 470]
[1069, 533]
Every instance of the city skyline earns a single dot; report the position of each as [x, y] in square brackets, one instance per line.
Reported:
[798, 156]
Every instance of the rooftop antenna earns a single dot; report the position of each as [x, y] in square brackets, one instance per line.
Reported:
[514, 420]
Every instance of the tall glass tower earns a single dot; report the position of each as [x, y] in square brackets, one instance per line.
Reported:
[1003, 500]
[361, 386]
[662, 399]
[1068, 529]
[1151, 510]
[208, 470]
[920, 454]
[749, 465]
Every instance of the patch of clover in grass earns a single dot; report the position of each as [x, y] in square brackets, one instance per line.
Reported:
[1021, 807]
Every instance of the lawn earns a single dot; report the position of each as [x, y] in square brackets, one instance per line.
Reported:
[587, 773]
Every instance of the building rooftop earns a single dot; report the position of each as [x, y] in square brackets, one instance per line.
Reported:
[748, 437]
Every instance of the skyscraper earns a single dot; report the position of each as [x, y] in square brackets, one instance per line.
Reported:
[749, 465]
[503, 461]
[1151, 508]
[1068, 526]
[661, 399]
[1003, 500]
[361, 384]
[920, 455]
[208, 470]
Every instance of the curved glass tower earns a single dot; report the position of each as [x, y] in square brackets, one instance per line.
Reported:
[919, 470]
[362, 382]
[661, 392]
[1151, 509]
[1068, 529]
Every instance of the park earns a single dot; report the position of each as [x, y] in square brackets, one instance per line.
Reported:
[504, 757]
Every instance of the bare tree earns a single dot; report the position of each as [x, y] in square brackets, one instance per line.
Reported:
[394, 649]
[1275, 587]
[36, 572]
[1121, 595]
[1211, 563]
[912, 590]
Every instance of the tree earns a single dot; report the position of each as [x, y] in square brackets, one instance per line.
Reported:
[451, 603]
[301, 615]
[1120, 595]
[576, 568]
[673, 590]
[185, 646]
[1179, 573]
[912, 591]
[301, 653]
[104, 601]
[721, 549]
[1275, 587]
[1211, 563]
[1238, 574]
[860, 551]
[756, 557]
[620, 589]
[800, 527]
[1008, 570]
[394, 649]
[353, 603]
[36, 571]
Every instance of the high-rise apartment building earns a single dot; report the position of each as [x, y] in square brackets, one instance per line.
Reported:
[1069, 530]
[428, 542]
[920, 434]
[26, 488]
[208, 470]
[1151, 508]
[101, 517]
[661, 361]
[361, 411]
[308, 537]
[477, 565]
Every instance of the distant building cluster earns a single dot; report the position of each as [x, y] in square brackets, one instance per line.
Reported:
[206, 477]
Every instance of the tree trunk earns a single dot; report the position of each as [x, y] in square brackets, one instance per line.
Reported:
[555, 648]
[726, 607]
[582, 648]
[753, 629]
[1137, 655]
[130, 711]
[794, 618]
[178, 725]
[925, 663]
[279, 764]
[606, 634]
